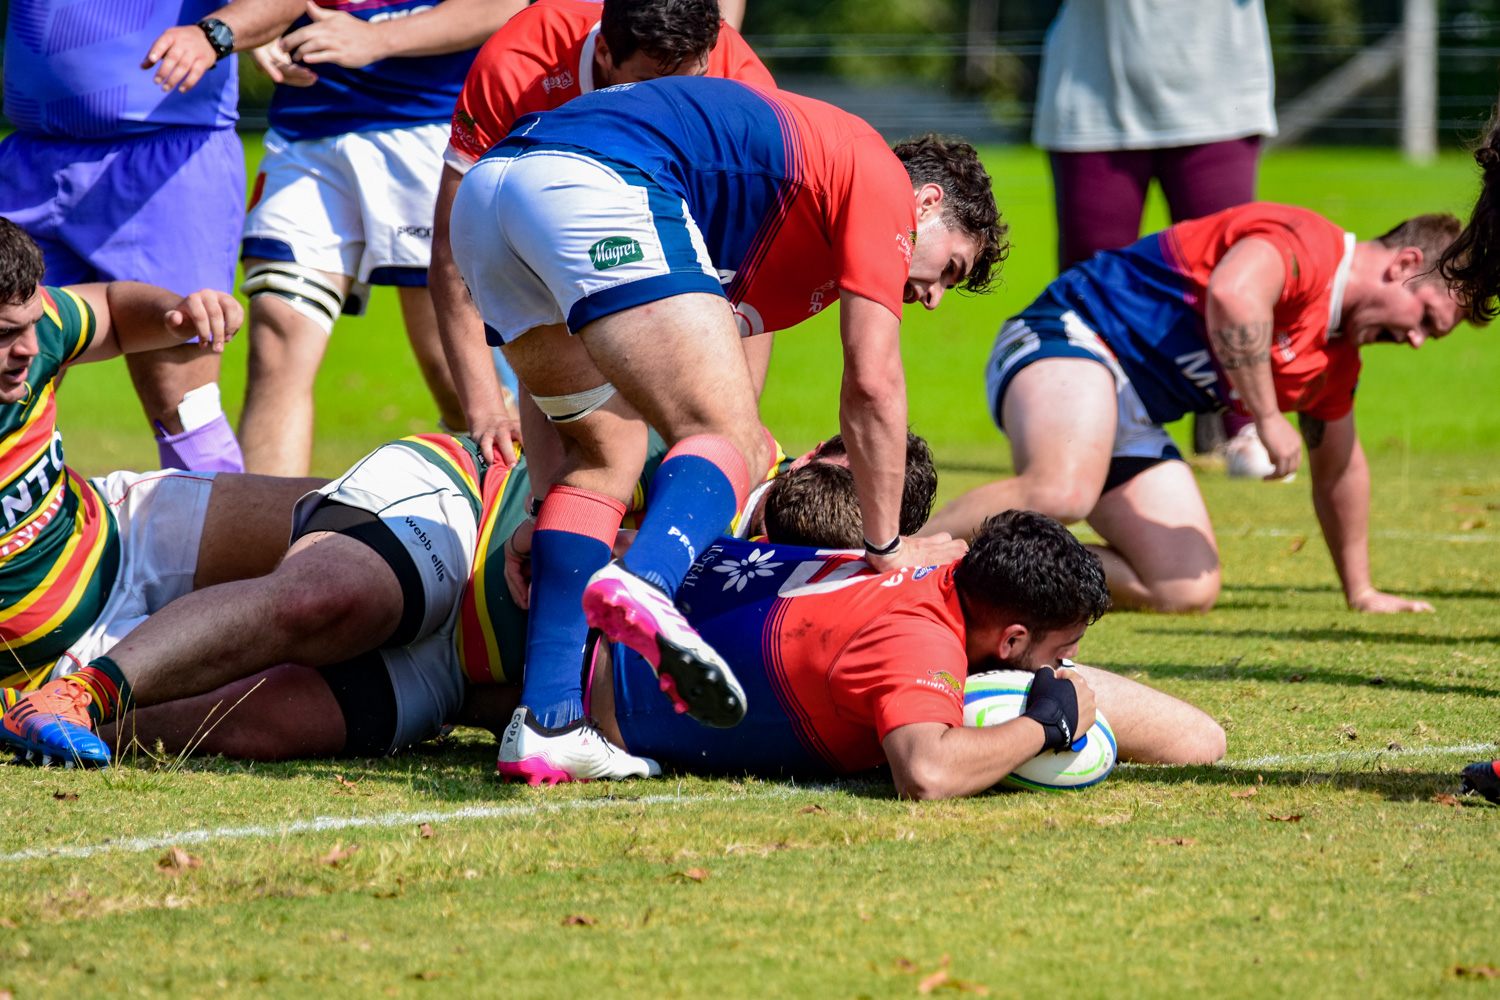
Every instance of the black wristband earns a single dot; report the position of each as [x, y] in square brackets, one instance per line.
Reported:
[888, 549]
[534, 507]
[1053, 703]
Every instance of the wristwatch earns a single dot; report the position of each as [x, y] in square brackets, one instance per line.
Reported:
[220, 36]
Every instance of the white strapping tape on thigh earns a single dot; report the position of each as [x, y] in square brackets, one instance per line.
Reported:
[303, 288]
[575, 405]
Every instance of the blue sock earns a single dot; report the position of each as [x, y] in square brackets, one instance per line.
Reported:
[694, 497]
[566, 549]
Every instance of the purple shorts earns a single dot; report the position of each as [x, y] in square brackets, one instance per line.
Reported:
[164, 208]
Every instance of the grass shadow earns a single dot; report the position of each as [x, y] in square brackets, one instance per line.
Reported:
[1387, 779]
[1309, 675]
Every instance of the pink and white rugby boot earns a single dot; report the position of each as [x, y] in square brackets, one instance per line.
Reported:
[628, 609]
[532, 753]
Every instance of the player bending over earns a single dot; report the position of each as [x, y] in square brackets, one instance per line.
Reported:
[545, 56]
[619, 247]
[1264, 308]
[84, 561]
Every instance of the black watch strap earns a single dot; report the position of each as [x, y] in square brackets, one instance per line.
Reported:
[220, 36]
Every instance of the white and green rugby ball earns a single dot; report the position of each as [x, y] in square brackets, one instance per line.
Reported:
[998, 696]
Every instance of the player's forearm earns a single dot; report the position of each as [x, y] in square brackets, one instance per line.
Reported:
[137, 317]
[255, 22]
[459, 325]
[1341, 498]
[1240, 336]
[454, 26]
[872, 414]
[930, 761]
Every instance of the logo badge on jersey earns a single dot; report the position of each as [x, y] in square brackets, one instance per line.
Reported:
[612, 251]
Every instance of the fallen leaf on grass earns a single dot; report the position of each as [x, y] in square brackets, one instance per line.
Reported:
[428, 975]
[339, 853]
[1288, 818]
[865, 916]
[1296, 545]
[176, 861]
[345, 786]
[1295, 679]
[1173, 841]
[1375, 681]
[933, 981]
[1446, 800]
[906, 965]
[1475, 972]
[1471, 524]
[8, 923]
[579, 920]
[814, 808]
[1393, 745]
[7, 995]
[1348, 732]
[425, 831]
[65, 796]
[692, 875]
[1245, 793]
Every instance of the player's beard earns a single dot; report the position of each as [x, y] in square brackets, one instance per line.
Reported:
[1025, 661]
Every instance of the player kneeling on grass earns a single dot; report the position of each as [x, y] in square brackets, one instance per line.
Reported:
[1264, 308]
[394, 594]
[84, 561]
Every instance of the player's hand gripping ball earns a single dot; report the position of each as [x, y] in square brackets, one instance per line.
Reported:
[998, 696]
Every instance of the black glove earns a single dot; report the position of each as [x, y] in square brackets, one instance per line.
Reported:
[1053, 702]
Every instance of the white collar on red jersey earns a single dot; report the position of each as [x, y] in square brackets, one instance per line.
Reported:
[586, 62]
[1340, 279]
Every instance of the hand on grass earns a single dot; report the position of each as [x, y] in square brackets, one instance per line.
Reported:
[930, 550]
[1282, 443]
[213, 317]
[1373, 602]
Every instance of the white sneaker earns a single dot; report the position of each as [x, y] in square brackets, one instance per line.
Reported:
[576, 752]
[1246, 458]
[628, 609]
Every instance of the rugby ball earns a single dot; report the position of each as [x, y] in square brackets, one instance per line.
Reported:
[998, 696]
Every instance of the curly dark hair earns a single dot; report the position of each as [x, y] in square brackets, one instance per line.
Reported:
[669, 31]
[1029, 568]
[1471, 264]
[954, 166]
[21, 264]
[919, 489]
[816, 506]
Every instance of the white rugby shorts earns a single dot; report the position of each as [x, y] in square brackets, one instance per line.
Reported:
[357, 204]
[436, 522]
[1018, 345]
[556, 236]
[160, 515]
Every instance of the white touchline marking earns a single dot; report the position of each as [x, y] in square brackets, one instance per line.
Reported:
[383, 820]
[1418, 536]
[1360, 756]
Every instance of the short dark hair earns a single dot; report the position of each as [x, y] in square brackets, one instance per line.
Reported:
[919, 489]
[968, 197]
[669, 31]
[1029, 568]
[1432, 234]
[815, 505]
[21, 264]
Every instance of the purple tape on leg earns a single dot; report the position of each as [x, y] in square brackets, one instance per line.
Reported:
[210, 448]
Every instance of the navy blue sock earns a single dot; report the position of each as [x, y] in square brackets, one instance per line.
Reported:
[696, 492]
[567, 548]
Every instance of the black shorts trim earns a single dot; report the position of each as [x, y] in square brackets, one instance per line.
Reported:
[362, 687]
[1124, 468]
[363, 526]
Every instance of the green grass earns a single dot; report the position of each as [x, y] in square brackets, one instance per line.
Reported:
[1377, 891]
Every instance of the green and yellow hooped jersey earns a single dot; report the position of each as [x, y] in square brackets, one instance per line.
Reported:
[60, 547]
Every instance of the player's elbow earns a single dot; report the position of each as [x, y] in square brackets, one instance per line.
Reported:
[922, 781]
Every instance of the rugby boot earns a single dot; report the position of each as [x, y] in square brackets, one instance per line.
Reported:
[53, 723]
[628, 609]
[533, 753]
[1484, 778]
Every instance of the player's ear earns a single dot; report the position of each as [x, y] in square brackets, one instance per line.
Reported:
[1013, 642]
[601, 50]
[929, 201]
[1408, 263]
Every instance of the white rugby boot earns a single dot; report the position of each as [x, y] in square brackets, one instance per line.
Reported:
[628, 609]
[576, 752]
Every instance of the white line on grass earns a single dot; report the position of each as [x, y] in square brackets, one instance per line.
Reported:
[1358, 756]
[1418, 536]
[325, 823]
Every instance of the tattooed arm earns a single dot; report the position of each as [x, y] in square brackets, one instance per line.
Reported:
[1242, 293]
[1341, 498]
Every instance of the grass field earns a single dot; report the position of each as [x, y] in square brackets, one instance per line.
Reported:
[1316, 860]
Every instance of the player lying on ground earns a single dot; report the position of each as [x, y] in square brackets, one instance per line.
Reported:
[619, 247]
[345, 193]
[381, 591]
[847, 668]
[550, 53]
[1263, 307]
[83, 561]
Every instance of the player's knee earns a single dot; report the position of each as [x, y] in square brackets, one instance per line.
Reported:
[1064, 501]
[1194, 595]
[309, 606]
